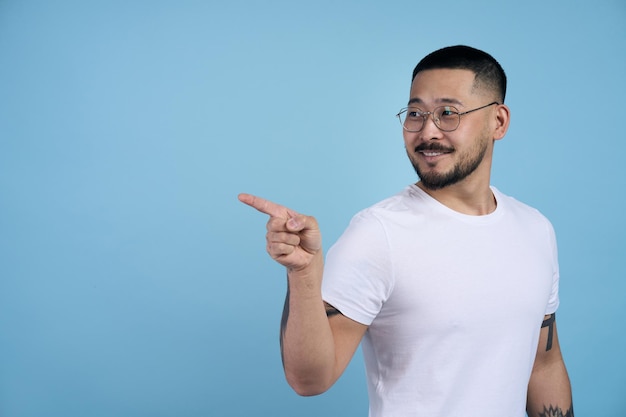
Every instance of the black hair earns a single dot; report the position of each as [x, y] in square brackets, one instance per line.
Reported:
[487, 70]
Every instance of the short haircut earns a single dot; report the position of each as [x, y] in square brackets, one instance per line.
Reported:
[486, 69]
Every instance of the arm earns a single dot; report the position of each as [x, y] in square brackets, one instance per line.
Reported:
[315, 347]
[549, 390]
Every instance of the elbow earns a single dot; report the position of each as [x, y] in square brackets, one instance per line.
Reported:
[307, 390]
[307, 387]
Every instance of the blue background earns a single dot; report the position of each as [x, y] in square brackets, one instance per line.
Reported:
[132, 281]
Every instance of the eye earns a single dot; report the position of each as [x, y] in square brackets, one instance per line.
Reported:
[413, 113]
[448, 111]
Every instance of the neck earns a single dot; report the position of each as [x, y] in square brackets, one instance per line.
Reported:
[475, 200]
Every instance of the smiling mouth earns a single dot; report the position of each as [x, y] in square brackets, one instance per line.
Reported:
[431, 151]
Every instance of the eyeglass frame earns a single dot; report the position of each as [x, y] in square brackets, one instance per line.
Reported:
[432, 115]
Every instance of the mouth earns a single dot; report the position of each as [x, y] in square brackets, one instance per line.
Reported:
[432, 151]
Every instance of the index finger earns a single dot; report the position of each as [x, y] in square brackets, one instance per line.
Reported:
[266, 206]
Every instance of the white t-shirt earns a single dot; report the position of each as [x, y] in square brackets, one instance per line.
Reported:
[454, 303]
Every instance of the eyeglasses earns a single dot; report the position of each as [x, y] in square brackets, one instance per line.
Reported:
[446, 118]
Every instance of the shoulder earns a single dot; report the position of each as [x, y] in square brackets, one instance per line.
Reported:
[371, 226]
[517, 207]
[522, 213]
[406, 201]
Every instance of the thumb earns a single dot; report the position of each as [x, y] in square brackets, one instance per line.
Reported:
[297, 223]
[307, 229]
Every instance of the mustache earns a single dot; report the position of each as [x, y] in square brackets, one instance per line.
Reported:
[433, 147]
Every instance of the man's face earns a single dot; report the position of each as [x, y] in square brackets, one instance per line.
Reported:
[442, 158]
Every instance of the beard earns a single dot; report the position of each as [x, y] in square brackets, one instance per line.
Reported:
[467, 164]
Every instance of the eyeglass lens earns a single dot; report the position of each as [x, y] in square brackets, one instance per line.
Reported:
[445, 117]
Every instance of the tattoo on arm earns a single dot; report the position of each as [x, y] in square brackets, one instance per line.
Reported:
[283, 323]
[549, 323]
[556, 412]
[330, 310]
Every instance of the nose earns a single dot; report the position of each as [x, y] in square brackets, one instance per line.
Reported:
[430, 131]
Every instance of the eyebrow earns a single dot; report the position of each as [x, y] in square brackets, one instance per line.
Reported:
[444, 100]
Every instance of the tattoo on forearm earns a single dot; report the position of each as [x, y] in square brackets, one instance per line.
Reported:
[330, 310]
[556, 412]
[283, 323]
[549, 323]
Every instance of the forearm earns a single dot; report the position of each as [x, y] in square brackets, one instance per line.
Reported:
[306, 338]
[307, 344]
[549, 392]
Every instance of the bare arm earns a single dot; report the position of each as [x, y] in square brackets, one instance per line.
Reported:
[315, 347]
[549, 390]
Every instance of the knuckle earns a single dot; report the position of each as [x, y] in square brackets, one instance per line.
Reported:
[275, 224]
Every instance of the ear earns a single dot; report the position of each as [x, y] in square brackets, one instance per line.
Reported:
[503, 117]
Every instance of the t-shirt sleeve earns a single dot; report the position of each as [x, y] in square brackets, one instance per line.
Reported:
[357, 274]
[553, 301]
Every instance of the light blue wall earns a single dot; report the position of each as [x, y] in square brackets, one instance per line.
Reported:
[132, 281]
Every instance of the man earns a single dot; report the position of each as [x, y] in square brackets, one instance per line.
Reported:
[451, 286]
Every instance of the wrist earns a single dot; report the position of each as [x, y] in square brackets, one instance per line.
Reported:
[309, 274]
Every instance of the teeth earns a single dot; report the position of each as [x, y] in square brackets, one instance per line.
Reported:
[432, 153]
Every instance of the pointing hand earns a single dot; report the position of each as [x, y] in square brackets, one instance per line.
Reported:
[293, 239]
